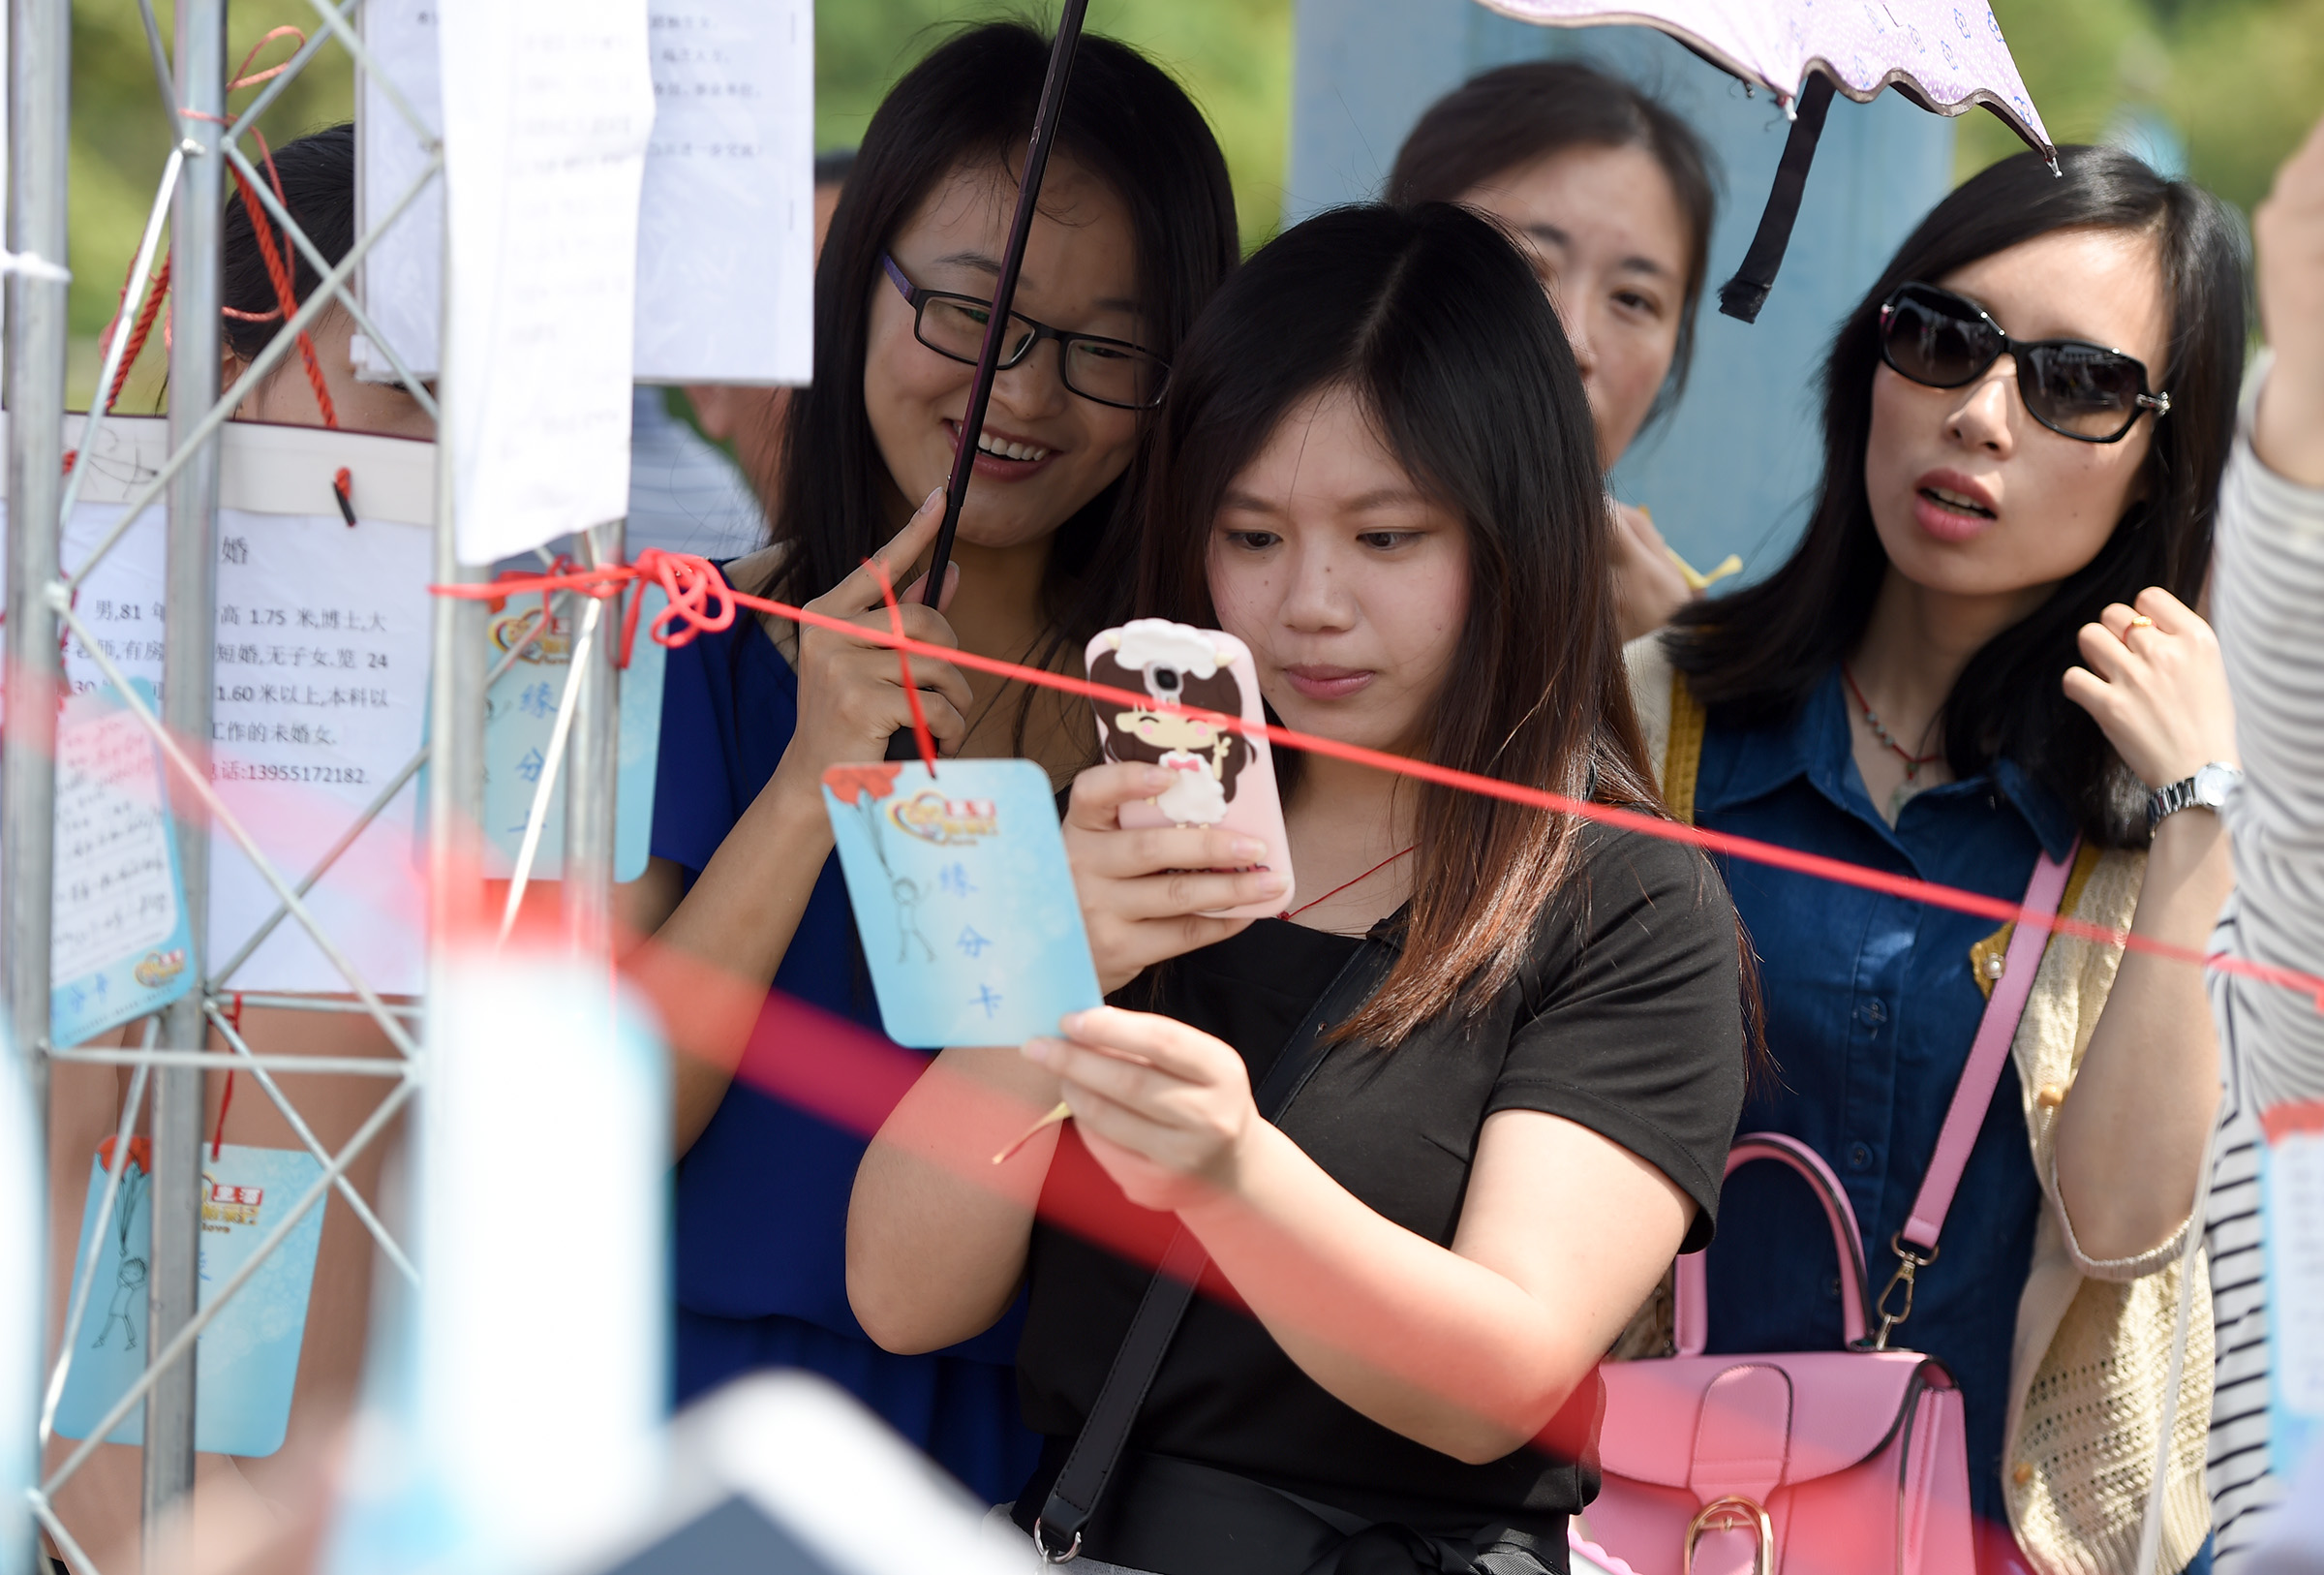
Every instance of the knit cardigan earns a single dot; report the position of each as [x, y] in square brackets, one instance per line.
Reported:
[2091, 1358]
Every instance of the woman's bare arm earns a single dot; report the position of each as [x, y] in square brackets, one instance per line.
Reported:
[718, 946]
[1470, 1351]
[936, 1232]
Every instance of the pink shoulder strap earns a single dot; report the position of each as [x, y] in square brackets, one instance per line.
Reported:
[1997, 1030]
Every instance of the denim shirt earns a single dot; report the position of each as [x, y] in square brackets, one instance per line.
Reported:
[1871, 1006]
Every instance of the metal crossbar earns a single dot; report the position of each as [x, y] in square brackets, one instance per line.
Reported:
[264, 190]
[246, 1060]
[79, 1305]
[140, 274]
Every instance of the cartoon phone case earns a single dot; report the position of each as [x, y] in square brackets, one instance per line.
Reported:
[1221, 778]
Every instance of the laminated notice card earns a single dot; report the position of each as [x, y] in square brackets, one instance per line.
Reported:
[520, 722]
[247, 1357]
[962, 898]
[2291, 1180]
[118, 937]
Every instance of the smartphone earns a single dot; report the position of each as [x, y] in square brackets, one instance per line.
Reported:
[1219, 776]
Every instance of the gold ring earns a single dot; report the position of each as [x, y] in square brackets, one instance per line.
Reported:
[2139, 620]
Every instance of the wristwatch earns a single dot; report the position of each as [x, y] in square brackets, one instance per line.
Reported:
[2207, 789]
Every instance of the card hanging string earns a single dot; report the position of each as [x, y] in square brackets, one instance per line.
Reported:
[226, 1101]
[904, 662]
[696, 588]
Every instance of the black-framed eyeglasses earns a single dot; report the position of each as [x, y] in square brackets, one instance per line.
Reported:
[1109, 371]
[2078, 390]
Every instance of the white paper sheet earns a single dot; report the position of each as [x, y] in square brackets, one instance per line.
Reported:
[726, 235]
[726, 240]
[401, 279]
[548, 105]
[322, 673]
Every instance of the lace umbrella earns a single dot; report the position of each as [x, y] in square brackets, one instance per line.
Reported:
[1944, 56]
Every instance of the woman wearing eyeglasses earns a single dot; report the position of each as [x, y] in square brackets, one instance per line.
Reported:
[1982, 654]
[1136, 227]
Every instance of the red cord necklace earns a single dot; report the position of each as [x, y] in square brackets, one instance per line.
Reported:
[1912, 762]
[1295, 913]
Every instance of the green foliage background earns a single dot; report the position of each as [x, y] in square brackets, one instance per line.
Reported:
[2241, 79]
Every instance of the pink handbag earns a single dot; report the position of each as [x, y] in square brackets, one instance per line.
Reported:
[1814, 1462]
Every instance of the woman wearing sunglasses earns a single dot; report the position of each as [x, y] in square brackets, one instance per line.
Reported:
[1135, 228]
[1982, 654]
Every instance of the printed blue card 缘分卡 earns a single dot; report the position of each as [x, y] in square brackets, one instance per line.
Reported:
[962, 898]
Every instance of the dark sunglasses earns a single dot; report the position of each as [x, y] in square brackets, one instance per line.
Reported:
[2078, 390]
[1109, 371]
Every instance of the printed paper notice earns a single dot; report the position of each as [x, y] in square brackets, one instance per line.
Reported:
[726, 236]
[401, 278]
[548, 105]
[726, 240]
[118, 938]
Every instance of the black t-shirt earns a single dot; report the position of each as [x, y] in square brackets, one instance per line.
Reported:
[1626, 1019]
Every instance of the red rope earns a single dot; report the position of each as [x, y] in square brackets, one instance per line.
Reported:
[695, 586]
[226, 1101]
[278, 270]
[904, 663]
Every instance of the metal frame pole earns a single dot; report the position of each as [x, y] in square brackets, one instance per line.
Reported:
[39, 100]
[457, 684]
[594, 770]
[191, 581]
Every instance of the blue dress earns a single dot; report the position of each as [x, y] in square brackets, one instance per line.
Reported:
[1871, 1006]
[762, 1196]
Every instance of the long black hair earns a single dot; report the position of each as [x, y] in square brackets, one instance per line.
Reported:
[1432, 321]
[1512, 115]
[970, 100]
[318, 173]
[1757, 655]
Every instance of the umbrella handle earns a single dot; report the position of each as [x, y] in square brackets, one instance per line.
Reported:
[1004, 294]
[1746, 292]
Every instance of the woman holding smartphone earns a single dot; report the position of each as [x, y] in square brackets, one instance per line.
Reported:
[1136, 226]
[1377, 469]
[1982, 652]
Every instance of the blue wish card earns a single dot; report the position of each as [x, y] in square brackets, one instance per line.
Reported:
[520, 717]
[964, 899]
[120, 943]
[247, 1357]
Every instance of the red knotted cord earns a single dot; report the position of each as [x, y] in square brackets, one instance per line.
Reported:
[271, 72]
[270, 252]
[226, 1101]
[904, 663]
[695, 583]
[278, 270]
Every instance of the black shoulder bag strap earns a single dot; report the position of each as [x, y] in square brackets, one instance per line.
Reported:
[1072, 1497]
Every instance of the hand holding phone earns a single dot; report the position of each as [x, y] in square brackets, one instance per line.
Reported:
[1179, 839]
